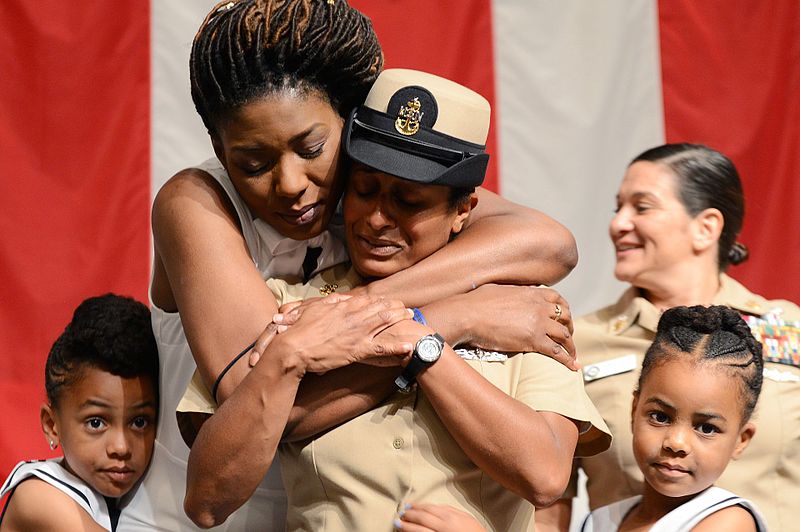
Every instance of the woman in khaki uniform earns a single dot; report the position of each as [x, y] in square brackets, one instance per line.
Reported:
[490, 434]
[679, 210]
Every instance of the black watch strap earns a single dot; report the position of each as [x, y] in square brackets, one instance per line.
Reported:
[409, 374]
[414, 367]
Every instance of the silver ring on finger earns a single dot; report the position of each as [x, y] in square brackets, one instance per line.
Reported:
[558, 312]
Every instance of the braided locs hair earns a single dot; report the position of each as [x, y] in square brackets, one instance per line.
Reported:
[251, 48]
[715, 334]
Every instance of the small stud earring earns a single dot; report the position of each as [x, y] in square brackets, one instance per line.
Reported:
[53, 445]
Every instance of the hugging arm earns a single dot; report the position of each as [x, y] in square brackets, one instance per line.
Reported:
[527, 451]
[501, 318]
[204, 270]
[235, 447]
[502, 243]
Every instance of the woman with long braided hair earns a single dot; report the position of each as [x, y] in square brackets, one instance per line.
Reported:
[273, 81]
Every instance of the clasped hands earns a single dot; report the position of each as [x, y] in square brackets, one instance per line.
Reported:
[341, 329]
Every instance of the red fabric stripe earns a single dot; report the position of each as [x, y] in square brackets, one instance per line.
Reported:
[731, 81]
[450, 38]
[75, 186]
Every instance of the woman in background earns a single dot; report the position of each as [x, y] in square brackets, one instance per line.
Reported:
[680, 208]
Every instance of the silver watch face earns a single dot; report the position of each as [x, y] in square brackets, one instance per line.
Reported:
[429, 349]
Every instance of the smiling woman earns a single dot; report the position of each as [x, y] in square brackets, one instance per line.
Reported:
[651, 230]
[680, 209]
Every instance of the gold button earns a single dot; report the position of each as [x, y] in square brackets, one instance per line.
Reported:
[397, 443]
[619, 323]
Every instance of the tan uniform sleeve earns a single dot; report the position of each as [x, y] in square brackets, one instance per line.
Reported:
[547, 385]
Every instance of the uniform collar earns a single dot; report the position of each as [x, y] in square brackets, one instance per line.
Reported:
[633, 309]
[735, 295]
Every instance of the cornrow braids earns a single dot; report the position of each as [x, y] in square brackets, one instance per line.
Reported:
[252, 48]
[109, 332]
[716, 334]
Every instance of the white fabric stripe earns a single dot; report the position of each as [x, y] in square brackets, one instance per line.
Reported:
[178, 138]
[579, 95]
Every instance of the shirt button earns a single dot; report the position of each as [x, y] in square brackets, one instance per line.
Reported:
[397, 443]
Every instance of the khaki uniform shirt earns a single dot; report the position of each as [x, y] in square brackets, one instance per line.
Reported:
[357, 475]
[611, 344]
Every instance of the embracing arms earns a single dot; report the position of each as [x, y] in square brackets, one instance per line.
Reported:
[526, 451]
[235, 447]
[203, 267]
[495, 317]
[204, 270]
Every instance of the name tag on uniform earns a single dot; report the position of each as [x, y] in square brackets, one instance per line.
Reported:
[778, 375]
[607, 368]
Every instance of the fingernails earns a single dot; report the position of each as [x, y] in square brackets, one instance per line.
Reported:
[398, 524]
[277, 318]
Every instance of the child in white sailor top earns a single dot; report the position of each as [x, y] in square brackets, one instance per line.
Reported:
[699, 384]
[101, 379]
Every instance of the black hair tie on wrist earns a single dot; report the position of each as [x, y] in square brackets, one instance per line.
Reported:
[227, 368]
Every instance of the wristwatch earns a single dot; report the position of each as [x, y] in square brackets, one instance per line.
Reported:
[427, 351]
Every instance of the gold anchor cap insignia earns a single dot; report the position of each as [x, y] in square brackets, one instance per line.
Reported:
[408, 118]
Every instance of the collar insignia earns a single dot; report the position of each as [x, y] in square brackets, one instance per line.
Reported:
[328, 289]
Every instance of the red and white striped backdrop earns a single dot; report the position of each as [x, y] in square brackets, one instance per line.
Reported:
[95, 114]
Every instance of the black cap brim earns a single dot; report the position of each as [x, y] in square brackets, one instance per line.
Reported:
[432, 158]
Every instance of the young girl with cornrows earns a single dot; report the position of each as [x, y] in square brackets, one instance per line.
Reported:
[698, 387]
